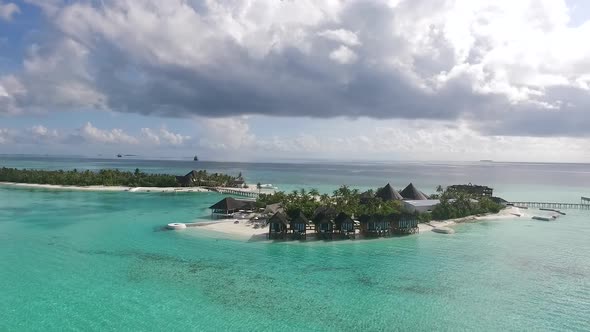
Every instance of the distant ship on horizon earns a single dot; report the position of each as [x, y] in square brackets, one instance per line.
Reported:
[486, 161]
[196, 158]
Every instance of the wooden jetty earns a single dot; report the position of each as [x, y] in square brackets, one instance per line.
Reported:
[583, 205]
[236, 192]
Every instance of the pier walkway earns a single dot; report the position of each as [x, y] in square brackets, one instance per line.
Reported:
[236, 191]
[583, 205]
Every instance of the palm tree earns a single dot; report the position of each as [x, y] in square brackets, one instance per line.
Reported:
[258, 186]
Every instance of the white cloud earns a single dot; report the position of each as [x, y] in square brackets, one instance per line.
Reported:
[495, 61]
[114, 136]
[11, 89]
[227, 133]
[40, 132]
[156, 137]
[341, 35]
[6, 136]
[8, 10]
[343, 55]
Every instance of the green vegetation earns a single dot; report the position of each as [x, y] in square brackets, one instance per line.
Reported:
[202, 178]
[105, 177]
[111, 177]
[458, 204]
[344, 199]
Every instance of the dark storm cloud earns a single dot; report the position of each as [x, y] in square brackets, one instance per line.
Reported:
[298, 80]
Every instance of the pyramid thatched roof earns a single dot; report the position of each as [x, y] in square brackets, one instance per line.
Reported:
[410, 192]
[343, 218]
[387, 193]
[323, 214]
[278, 218]
[230, 203]
[299, 218]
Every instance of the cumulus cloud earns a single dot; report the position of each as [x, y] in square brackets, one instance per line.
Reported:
[91, 134]
[343, 36]
[504, 67]
[8, 10]
[343, 55]
[164, 136]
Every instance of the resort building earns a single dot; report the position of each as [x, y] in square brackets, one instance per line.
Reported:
[277, 226]
[324, 222]
[226, 207]
[420, 206]
[412, 193]
[298, 226]
[375, 226]
[387, 193]
[404, 224]
[483, 191]
[345, 225]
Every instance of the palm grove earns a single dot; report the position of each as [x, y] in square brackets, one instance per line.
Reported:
[453, 204]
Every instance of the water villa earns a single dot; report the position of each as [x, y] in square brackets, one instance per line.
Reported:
[226, 207]
[345, 225]
[298, 226]
[324, 222]
[277, 226]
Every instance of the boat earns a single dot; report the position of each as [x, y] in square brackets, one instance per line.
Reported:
[542, 218]
[196, 158]
[119, 156]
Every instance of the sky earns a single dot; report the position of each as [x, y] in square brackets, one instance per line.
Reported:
[272, 80]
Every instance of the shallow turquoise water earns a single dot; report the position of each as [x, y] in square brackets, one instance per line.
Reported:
[100, 261]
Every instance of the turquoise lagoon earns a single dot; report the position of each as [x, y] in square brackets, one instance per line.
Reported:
[101, 261]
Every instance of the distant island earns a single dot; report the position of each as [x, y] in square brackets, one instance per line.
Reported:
[114, 177]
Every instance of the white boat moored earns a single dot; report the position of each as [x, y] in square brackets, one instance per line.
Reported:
[176, 226]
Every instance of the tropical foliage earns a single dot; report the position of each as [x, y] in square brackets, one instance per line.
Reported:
[458, 204]
[343, 199]
[104, 177]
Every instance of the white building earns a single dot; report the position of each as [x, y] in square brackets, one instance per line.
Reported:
[423, 205]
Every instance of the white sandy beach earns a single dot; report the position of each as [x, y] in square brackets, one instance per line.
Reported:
[129, 189]
[245, 230]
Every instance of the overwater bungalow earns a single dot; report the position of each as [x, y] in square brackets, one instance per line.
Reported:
[298, 226]
[324, 222]
[277, 226]
[387, 193]
[404, 223]
[410, 192]
[345, 225]
[375, 226]
[226, 207]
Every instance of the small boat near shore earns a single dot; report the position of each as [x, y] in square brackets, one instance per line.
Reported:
[544, 218]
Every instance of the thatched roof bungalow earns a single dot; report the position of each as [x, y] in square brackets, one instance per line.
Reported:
[387, 193]
[344, 225]
[229, 205]
[375, 225]
[324, 221]
[277, 226]
[412, 193]
[298, 225]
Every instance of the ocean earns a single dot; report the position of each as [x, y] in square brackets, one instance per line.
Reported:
[88, 261]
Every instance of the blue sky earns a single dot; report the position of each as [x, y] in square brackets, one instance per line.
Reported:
[260, 80]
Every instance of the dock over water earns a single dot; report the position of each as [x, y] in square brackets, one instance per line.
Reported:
[583, 205]
[236, 192]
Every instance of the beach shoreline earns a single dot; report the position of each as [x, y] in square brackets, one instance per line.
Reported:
[244, 229]
[124, 188]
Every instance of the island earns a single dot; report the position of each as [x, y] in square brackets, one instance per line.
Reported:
[136, 181]
[350, 214]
